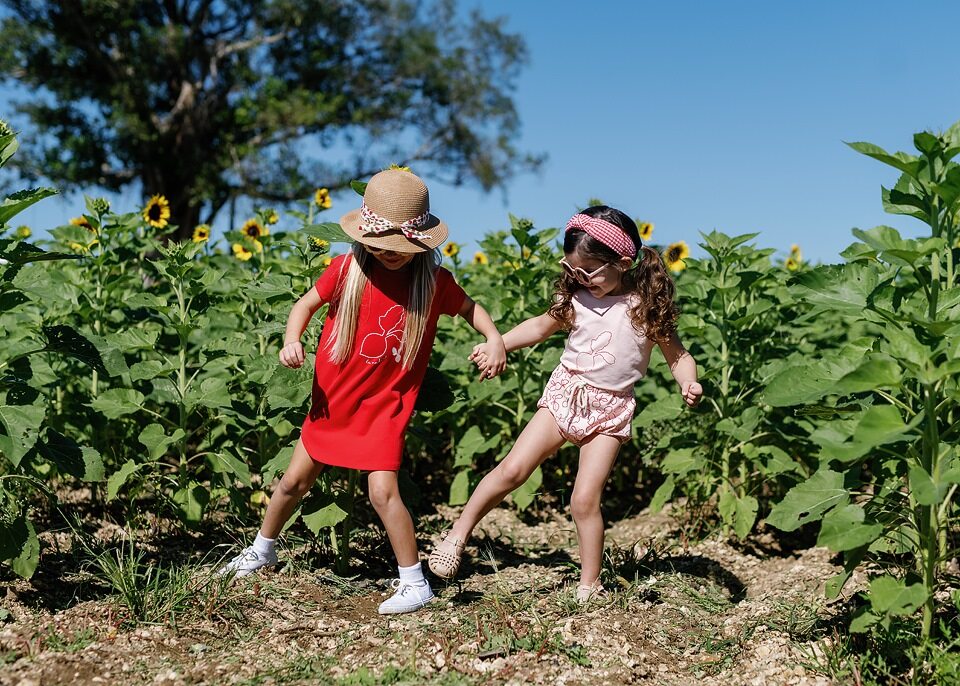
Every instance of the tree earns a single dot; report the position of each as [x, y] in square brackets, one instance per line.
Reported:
[207, 100]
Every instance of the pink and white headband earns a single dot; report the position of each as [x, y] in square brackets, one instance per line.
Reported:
[609, 234]
[374, 223]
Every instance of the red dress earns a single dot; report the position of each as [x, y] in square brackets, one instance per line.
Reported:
[361, 408]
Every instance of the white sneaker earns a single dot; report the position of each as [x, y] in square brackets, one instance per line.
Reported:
[247, 562]
[407, 598]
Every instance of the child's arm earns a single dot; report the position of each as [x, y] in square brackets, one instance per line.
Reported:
[530, 332]
[526, 333]
[479, 319]
[291, 354]
[684, 369]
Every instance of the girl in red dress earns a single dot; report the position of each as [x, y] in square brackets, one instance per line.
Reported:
[385, 298]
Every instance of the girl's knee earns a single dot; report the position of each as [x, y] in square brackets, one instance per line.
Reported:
[584, 505]
[293, 487]
[381, 495]
[512, 475]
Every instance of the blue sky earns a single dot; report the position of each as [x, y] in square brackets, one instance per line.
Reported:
[708, 115]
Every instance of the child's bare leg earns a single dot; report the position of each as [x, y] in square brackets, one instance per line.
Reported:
[597, 456]
[540, 439]
[385, 498]
[297, 480]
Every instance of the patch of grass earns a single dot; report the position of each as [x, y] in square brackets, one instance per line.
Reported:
[62, 643]
[316, 669]
[897, 655]
[799, 618]
[705, 596]
[152, 594]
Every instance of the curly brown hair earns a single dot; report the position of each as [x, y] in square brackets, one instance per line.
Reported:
[655, 312]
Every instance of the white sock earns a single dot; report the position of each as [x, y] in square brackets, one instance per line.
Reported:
[264, 546]
[412, 575]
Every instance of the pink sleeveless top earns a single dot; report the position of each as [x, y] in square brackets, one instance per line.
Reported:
[603, 348]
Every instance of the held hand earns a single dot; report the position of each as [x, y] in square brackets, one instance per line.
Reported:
[490, 358]
[691, 392]
[291, 355]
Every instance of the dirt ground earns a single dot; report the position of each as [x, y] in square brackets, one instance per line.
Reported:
[708, 613]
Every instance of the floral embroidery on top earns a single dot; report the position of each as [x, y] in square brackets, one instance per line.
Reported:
[597, 357]
[374, 346]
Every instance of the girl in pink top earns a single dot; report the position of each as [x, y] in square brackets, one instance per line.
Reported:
[615, 298]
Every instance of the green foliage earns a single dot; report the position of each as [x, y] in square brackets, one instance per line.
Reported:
[739, 321]
[882, 406]
[203, 103]
[28, 451]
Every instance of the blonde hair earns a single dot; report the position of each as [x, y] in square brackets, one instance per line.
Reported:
[348, 297]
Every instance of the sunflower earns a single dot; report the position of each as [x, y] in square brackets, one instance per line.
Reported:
[201, 233]
[674, 256]
[83, 223]
[795, 252]
[318, 244]
[325, 262]
[322, 198]
[645, 229]
[253, 229]
[480, 258]
[791, 264]
[398, 167]
[23, 232]
[157, 212]
[257, 246]
[241, 253]
[272, 217]
[451, 249]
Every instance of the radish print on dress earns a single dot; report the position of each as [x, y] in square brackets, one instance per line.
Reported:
[597, 357]
[374, 346]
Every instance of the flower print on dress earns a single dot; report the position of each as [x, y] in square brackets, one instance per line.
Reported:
[597, 357]
[374, 346]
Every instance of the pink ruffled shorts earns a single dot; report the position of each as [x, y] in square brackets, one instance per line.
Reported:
[582, 410]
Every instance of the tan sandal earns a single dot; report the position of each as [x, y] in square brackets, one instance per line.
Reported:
[587, 593]
[445, 559]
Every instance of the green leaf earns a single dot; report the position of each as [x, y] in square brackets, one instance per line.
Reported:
[471, 444]
[327, 231]
[118, 402]
[680, 462]
[324, 513]
[875, 372]
[192, 500]
[21, 200]
[25, 564]
[893, 597]
[664, 410]
[908, 164]
[224, 462]
[279, 463]
[923, 487]
[13, 535]
[843, 528]
[740, 513]
[116, 480]
[359, 187]
[68, 341]
[808, 501]
[155, 440]
[22, 426]
[662, 494]
[523, 496]
[70, 458]
[460, 488]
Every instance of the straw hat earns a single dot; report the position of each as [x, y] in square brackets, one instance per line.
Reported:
[395, 215]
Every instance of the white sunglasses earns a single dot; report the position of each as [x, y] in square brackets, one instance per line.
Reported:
[582, 276]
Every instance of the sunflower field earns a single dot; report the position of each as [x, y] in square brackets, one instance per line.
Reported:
[142, 374]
